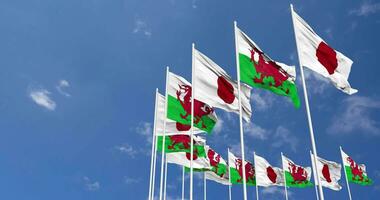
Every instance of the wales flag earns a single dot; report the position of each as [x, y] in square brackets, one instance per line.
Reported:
[181, 143]
[356, 173]
[236, 166]
[179, 106]
[259, 70]
[296, 175]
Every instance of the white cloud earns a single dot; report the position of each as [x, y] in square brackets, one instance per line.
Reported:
[141, 27]
[194, 4]
[366, 8]
[283, 137]
[316, 84]
[355, 115]
[127, 149]
[271, 191]
[145, 129]
[255, 131]
[130, 180]
[41, 97]
[329, 33]
[62, 84]
[91, 185]
[261, 100]
[218, 126]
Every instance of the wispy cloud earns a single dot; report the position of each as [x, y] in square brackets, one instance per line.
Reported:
[194, 4]
[274, 191]
[91, 185]
[145, 129]
[127, 149]
[41, 97]
[261, 100]
[283, 137]
[62, 85]
[218, 126]
[366, 8]
[141, 27]
[130, 180]
[355, 115]
[316, 84]
[256, 131]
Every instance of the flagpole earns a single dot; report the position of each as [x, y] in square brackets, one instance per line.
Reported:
[314, 165]
[314, 148]
[204, 186]
[283, 170]
[183, 182]
[257, 187]
[229, 176]
[345, 173]
[153, 145]
[163, 134]
[154, 166]
[166, 176]
[240, 115]
[192, 121]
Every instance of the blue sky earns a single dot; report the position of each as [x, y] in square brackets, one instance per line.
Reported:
[78, 77]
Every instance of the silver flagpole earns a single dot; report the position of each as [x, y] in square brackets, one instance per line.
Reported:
[154, 165]
[283, 170]
[257, 187]
[183, 182]
[240, 114]
[204, 186]
[153, 146]
[314, 165]
[192, 121]
[314, 148]
[166, 176]
[229, 176]
[163, 135]
[345, 174]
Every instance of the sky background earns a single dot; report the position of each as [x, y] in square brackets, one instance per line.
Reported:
[77, 86]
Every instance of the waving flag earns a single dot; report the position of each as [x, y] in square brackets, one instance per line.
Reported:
[236, 167]
[172, 127]
[329, 173]
[266, 174]
[258, 70]
[356, 173]
[179, 106]
[296, 175]
[317, 55]
[216, 88]
[180, 143]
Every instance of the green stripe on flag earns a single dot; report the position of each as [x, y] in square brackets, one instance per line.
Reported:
[237, 179]
[175, 110]
[291, 183]
[365, 181]
[179, 147]
[248, 73]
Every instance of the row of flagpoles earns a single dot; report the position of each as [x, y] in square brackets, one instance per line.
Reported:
[189, 109]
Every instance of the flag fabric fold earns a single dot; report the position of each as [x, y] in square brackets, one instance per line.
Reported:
[259, 70]
[216, 88]
[329, 173]
[315, 54]
[236, 167]
[172, 127]
[179, 106]
[266, 174]
[296, 175]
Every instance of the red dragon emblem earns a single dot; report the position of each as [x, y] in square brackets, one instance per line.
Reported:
[214, 160]
[268, 68]
[356, 170]
[200, 109]
[195, 154]
[180, 139]
[249, 170]
[298, 173]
